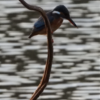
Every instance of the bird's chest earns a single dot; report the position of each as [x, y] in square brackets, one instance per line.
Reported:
[56, 23]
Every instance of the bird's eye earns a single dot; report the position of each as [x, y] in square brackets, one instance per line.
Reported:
[62, 15]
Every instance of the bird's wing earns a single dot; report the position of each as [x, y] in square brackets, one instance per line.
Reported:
[40, 23]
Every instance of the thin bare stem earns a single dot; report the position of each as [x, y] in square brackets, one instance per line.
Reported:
[47, 70]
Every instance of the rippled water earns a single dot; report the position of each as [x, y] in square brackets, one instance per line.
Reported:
[76, 65]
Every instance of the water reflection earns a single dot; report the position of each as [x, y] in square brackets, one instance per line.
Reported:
[76, 64]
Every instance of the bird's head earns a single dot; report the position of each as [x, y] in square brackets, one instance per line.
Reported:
[63, 12]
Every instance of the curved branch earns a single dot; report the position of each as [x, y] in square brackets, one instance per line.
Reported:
[47, 71]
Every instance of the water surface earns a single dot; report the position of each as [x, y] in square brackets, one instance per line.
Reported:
[75, 71]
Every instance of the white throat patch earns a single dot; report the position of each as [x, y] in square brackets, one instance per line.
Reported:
[56, 12]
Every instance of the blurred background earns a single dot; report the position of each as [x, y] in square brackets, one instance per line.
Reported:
[75, 71]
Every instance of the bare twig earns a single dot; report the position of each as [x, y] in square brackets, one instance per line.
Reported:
[47, 71]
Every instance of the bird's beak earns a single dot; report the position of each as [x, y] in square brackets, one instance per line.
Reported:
[71, 21]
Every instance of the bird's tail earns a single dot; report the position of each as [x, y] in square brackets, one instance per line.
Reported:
[30, 35]
[33, 33]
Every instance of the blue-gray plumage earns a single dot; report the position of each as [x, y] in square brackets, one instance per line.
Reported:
[40, 23]
[55, 17]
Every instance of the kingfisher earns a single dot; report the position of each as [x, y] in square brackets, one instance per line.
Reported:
[56, 17]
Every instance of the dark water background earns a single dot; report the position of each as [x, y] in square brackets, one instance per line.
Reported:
[76, 65]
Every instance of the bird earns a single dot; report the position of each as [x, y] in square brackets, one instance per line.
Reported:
[56, 17]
